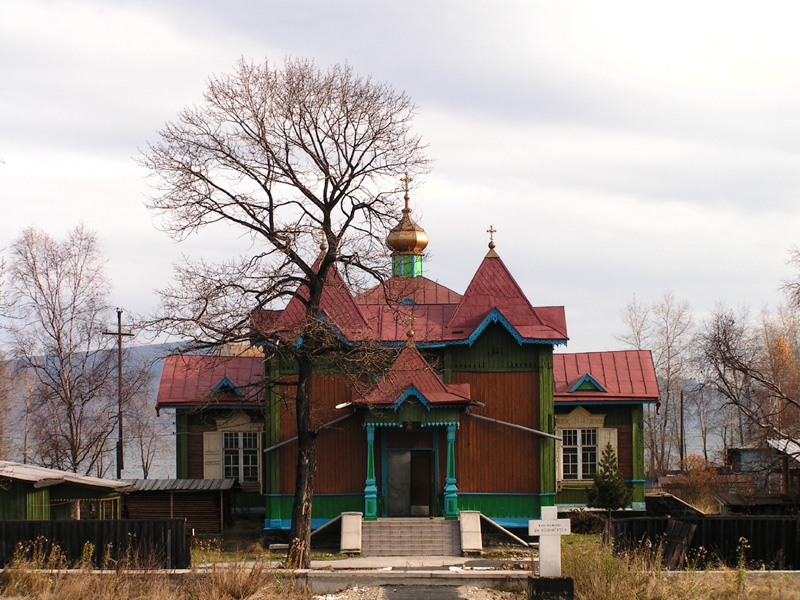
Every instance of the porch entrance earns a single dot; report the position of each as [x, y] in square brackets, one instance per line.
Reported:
[411, 485]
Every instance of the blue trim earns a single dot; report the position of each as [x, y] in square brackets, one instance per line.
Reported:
[326, 320]
[384, 475]
[633, 481]
[558, 402]
[588, 378]
[412, 391]
[226, 383]
[504, 494]
[495, 316]
[512, 523]
[407, 301]
[286, 524]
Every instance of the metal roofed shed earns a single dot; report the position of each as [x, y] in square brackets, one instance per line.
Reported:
[206, 504]
[30, 492]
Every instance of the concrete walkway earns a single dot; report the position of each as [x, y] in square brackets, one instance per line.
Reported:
[327, 576]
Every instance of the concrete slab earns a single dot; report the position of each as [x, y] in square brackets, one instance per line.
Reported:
[327, 582]
[470, 523]
[396, 562]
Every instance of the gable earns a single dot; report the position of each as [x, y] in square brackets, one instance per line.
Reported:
[493, 294]
[587, 383]
[494, 349]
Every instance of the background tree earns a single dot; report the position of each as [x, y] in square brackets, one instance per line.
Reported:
[293, 157]
[665, 328]
[698, 483]
[755, 366]
[5, 407]
[57, 302]
[145, 432]
[706, 411]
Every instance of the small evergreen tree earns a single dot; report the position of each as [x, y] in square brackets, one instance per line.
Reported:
[609, 492]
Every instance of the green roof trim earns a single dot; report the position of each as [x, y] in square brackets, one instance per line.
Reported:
[412, 411]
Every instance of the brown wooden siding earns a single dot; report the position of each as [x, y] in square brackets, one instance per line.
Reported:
[341, 449]
[200, 509]
[624, 450]
[493, 458]
[195, 450]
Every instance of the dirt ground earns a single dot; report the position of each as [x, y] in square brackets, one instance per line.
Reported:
[421, 593]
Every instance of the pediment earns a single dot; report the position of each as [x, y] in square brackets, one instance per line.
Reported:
[580, 418]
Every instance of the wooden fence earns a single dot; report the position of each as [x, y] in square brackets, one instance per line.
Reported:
[145, 543]
[769, 541]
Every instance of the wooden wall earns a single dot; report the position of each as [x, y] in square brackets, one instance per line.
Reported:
[202, 510]
[624, 450]
[341, 449]
[493, 458]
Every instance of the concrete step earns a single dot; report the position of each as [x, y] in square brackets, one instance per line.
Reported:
[410, 537]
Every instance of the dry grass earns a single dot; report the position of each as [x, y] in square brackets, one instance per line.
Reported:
[236, 581]
[599, 574]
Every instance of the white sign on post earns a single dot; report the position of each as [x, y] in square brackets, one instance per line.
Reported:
[549, 529]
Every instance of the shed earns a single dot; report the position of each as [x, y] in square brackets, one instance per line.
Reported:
[38, 493]
[206, 504]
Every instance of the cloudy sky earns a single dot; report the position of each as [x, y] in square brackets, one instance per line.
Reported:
[619, 148]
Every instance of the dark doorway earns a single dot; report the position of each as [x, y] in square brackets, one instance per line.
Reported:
[410, 484]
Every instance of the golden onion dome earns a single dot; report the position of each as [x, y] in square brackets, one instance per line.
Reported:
[407, 237]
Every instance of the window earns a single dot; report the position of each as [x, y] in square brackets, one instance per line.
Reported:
[579, 453]
[240, 456]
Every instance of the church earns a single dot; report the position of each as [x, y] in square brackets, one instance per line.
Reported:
[479, 410]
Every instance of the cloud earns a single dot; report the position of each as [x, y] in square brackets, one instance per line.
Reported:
[618, 147]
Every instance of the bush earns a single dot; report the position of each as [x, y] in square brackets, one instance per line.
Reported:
[586, 522]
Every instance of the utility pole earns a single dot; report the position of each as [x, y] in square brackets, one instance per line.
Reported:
[119, 335]
[683, 438]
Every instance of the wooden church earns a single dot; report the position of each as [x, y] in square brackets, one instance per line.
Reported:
[476, 412]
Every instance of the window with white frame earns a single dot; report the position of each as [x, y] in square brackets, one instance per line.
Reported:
[240, 456]
[579, 453]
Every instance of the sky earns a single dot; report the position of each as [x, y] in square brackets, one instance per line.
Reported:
[618, 148]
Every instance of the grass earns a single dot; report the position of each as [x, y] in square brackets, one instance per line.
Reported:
[599, 574]
[42, 579]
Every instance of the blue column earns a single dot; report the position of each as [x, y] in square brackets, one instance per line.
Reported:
[370, 490]
[450, 489]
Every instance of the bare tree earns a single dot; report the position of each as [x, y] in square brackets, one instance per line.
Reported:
[144, 429]
[6, 396]
[295, 157]
[756, 367]
[57, 303]
[665, 328]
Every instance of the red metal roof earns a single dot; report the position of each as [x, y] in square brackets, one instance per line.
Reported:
[409, 369]
[625, 375]
[337, 304]
[419, 290]
[190, 381]
[439, 314]
[493, 287]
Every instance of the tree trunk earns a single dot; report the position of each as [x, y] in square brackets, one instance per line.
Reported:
[300, 544]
